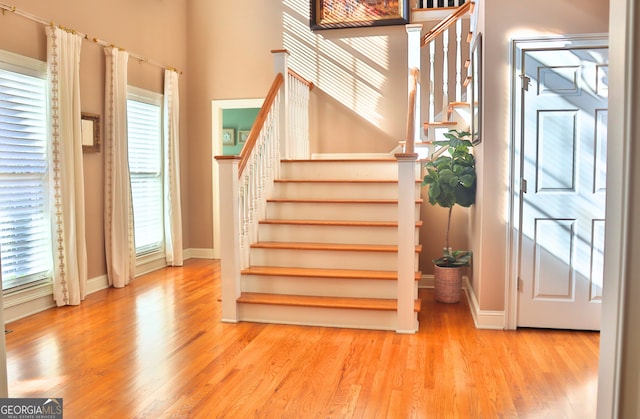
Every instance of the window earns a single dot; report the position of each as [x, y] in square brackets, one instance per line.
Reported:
[25, 229]
[144, 115]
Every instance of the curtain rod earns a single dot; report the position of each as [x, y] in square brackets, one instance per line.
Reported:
[7, 8]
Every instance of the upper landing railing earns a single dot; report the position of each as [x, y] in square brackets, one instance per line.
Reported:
[436, 42]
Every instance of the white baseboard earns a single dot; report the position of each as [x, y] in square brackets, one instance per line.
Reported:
[483, 319]
[198, 254]
[28, 307]
[34, 300]
[97, 284]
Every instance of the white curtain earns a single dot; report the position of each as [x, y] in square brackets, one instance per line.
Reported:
[67, 176]
[173, 209]
[118, 209]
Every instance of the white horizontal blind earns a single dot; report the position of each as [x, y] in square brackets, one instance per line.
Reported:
[145, 166]
[25, 232]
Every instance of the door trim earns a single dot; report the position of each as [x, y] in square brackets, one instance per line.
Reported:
[519, 45]
[217, 106]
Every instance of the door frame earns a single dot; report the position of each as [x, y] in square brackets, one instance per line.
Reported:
[217, 106]
[595, 40]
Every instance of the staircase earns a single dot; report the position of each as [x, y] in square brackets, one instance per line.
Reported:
[331, 242]
[327, 250]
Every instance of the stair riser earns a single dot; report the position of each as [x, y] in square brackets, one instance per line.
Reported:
[326, 259]
[331, 287]
[337, 190]
[334, 211]
[329, 234]
[461, 115]
[436, 133]
[340, 170]
[311, 316]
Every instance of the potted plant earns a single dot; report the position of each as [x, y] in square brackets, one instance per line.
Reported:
[452, 181]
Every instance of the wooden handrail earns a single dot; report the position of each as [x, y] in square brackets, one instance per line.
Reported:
[259, 122]
[411, 112]
[302, 80]
[436, 153]
[446, 23]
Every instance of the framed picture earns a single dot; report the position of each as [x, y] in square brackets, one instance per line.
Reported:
[243, 135]
[228, 136]
[476, 91]
[336, 14]
[90, 128]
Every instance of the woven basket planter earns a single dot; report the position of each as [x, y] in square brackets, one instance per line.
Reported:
[448, 284]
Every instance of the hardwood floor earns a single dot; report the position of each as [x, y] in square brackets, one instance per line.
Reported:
[158, 349]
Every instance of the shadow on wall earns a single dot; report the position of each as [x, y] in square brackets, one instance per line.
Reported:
[360, 69]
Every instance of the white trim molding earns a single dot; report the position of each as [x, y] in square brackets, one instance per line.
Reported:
[518, 46]
[217, 106]
[199, 254]
[482, 319]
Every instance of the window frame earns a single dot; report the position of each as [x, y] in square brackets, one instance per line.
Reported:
[42, 284]
[154, 259]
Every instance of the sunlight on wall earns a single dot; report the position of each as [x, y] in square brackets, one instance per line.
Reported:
[350, 70]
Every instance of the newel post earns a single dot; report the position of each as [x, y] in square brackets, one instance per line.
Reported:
[280, 65]
[414, 35]
[229, 236]
[407, 286]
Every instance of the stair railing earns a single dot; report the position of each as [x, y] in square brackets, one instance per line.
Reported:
[412, 116]
[298, 116]
[435, 4]
[438, 38]
[246, 180]
[441, 30]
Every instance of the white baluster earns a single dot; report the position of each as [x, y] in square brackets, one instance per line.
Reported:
[432, 83]
[414, 61]
[458, 61]
[445, 73]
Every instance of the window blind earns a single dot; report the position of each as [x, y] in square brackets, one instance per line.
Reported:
[24, 215]
[145, 166]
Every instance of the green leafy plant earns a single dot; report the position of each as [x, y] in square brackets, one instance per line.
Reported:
[451, 178]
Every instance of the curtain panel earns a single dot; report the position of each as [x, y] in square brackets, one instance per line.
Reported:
[173, 208]
[67, 176]
[118, 208]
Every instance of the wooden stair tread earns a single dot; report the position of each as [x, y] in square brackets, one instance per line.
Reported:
[330, 246]
[323, 302]
[336, 223]
[323, 273]
[440, 123]
[458, 105]
[358, 181]
[364, 160]
[336, 201]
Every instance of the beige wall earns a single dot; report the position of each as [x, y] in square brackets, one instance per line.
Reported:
[152, 29]
[500, 22]
[359, 104]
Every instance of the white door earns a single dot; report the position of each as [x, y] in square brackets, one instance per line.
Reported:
[562, 156]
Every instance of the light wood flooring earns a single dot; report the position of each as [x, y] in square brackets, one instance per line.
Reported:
[157, 349]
